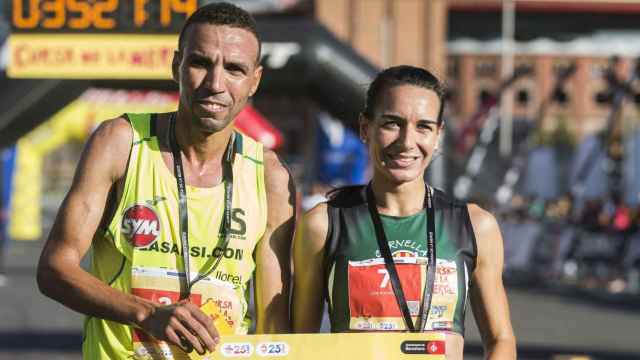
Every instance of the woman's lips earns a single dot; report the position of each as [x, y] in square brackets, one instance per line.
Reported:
[400, 161]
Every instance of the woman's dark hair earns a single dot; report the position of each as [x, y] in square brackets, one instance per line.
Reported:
[403, 75]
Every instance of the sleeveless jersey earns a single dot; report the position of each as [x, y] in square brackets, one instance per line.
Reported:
[359, 290]
[140, 251]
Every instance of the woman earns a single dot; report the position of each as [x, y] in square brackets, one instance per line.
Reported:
[367, 248]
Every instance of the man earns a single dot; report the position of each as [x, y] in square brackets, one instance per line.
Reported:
[176, 208]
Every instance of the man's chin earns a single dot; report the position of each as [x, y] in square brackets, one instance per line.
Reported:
[213, 125]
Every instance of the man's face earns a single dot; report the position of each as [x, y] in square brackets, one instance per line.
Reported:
[217, 71]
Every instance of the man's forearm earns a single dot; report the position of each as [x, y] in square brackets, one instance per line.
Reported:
[82, 292]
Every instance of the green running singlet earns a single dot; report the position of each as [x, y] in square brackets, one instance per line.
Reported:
[358, 287]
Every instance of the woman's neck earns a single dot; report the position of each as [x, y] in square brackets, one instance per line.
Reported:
[399, 200]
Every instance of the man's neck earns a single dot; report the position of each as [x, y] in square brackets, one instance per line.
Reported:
[201, 150]
[399, 200]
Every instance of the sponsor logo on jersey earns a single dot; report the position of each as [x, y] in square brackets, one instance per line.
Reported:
[438, 311]
[403, 254]
[442, 325]
[238, 228]
[196, 251]
[140, 225]
[156, 199]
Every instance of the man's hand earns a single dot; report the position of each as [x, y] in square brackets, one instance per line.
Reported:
[183, 324]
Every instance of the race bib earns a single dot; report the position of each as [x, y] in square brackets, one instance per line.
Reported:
[215, 298]
[372, 302]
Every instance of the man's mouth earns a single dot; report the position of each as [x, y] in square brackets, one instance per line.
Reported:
[212, 107]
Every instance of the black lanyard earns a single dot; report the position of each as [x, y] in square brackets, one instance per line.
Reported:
[383, 244]
[227, 171]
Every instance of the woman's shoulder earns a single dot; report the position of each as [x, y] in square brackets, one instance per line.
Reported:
[346, 196]
[446, 199]
[486, 231]
[481, 218]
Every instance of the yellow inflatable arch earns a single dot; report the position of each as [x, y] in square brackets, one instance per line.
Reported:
[75, 122]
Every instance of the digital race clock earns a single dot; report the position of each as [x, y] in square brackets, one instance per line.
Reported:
[110, 16]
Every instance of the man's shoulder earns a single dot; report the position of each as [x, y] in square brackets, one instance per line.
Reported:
[113, 139]
[117, 133]
[276, 172]
[279, 184]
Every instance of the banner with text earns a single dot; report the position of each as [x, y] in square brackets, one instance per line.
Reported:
[95, 56]
[347, 346]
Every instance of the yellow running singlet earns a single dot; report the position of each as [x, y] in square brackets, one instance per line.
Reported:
[140, 251]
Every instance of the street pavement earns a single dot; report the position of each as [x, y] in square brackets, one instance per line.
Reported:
[545, 322]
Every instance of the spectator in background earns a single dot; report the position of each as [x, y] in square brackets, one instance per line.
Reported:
[341, 159]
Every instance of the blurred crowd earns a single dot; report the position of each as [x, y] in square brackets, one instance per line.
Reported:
[593, 245]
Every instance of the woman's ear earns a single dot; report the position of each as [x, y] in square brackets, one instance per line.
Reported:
[440, 135]
[363, 123]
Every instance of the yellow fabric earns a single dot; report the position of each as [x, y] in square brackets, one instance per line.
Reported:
[73, 123]
[154, 268]
[352, 346]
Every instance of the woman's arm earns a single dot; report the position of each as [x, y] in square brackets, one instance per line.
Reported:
[488, 297]
[308, 264]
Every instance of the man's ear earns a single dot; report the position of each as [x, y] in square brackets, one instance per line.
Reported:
[257, 75]
[175, 66]
[363, 124]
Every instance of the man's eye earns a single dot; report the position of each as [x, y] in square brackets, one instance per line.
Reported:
[236, 70]
[390, 124]
[199, 62]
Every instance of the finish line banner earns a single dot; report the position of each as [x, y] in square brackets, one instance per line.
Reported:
[92, 56]
[347, 346]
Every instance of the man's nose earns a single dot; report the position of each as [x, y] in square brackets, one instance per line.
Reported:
[215, 79]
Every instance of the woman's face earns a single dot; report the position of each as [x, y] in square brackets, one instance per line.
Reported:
[403, 134]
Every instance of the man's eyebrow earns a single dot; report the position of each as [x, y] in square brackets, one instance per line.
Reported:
[434, 122]
[198, 56]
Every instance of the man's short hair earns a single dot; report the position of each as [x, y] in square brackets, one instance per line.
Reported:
[221, 13]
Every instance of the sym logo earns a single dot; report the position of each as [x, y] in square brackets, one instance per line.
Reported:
[140, 225]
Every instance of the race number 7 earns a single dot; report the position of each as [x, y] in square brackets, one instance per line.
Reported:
[385, 278]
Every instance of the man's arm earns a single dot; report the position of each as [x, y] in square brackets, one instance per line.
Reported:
[60, 277]
[488, 296]
[273, 261]
[308, 254]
